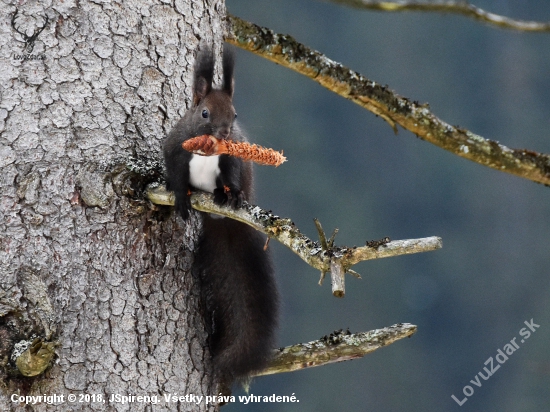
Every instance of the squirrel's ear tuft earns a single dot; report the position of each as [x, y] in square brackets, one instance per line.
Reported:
[204, 74]
[200, 90]
[228, 64]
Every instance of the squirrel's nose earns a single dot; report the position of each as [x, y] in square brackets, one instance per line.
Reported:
[223, 133]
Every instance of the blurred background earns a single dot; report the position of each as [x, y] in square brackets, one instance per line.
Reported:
[347, 168]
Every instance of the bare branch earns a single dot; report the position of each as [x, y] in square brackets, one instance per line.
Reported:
[337, 347]
[456, 7]
[334, 259]
[383, 102]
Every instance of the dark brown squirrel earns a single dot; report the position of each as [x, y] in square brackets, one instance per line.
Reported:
[237, 281]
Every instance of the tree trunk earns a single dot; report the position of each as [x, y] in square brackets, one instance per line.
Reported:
[84, 263]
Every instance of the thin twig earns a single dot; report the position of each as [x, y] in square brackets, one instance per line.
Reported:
[321, 232]
[383, 102]
[337, 276]
[455, 7]
[284, 230]
[337, 347]
[324, 246]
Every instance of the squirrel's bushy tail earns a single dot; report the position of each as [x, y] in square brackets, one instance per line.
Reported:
[239, 294]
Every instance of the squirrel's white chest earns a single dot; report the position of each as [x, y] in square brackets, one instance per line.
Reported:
[203, 172]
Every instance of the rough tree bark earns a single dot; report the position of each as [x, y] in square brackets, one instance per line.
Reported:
[83, 264]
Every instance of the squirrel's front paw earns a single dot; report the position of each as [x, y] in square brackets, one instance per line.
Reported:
[228, 196]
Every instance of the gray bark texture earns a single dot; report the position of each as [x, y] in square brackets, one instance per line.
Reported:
[95, 284]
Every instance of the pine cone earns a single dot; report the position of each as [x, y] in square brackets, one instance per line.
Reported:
[207, 145]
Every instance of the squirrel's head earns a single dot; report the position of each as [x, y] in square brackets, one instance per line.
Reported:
[213, 108]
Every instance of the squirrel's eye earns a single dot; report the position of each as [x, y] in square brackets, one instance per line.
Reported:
[235, 115]
[205, 114]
